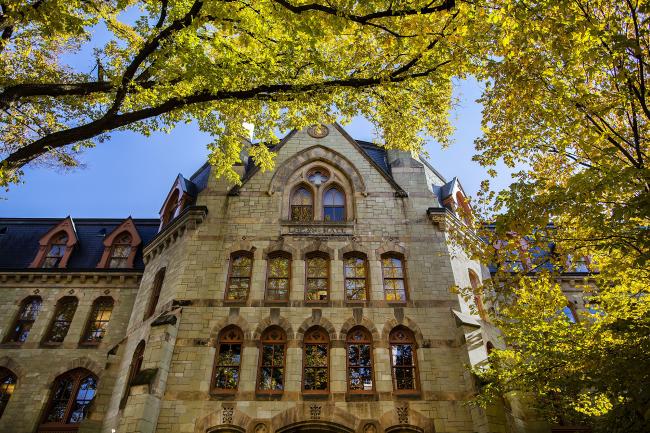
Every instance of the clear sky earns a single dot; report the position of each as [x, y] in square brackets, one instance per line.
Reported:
[131, 174]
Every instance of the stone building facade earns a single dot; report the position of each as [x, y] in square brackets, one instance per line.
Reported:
[316, 297]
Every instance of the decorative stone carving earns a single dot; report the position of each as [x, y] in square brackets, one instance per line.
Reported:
[402, 415]
[227, 415]
[318, 131]
[314, 411]
[369, 428]
[260, 428]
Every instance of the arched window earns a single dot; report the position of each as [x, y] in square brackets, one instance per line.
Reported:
[55, 251]
[155, 293]
[7, 385]
[403, 360]
[239, 276]
[315, 363]
[227, 363]
[170, 208]
[355, 272]
[62, 319]
[135, 367]
[478, 296]
[333, 205]
[120, 252]
[278, 276]
[392, 267]
[302, 205]
[270, 379]
[71, 396]
[29, 309]
[98, 320]
[359, 360]
[317, 281]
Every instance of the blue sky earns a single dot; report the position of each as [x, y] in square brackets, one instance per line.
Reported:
[131, 174]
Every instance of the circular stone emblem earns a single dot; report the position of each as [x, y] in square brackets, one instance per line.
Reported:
[260, 428]
[318, 131]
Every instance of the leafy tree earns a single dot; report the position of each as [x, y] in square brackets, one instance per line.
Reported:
[567, 98]
[278, 64]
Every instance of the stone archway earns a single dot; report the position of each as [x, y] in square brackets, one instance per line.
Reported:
[315, 427]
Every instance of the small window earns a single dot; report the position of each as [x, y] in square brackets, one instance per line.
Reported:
[355, 271]
[171, 208]
[333, 205]
[478, 295]
[316, 361]
[120, 252]
[239, 278]
[72, 394]
[392, 267]
[302, 205]
[7, 386]
[317, 277]
[136, 365]
[227, 364]
[278, 277]
[272, 357]
[155, 293]
[29, 309]
[403, 360]
[359, 359]
[55, 251]
[63, 314]
[98, 320]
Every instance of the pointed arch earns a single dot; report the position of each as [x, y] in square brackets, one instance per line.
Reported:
[268, 321]
[364, 322]
[316, 320]
[120, 246]
[407, 323]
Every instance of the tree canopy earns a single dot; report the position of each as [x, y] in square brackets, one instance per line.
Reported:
[278, 64]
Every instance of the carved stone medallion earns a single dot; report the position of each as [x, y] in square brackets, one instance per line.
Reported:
[318, 131]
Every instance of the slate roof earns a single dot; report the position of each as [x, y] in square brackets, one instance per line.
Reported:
[19, 240]
[377, 153]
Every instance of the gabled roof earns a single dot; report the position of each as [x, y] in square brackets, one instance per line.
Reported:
[19, 239]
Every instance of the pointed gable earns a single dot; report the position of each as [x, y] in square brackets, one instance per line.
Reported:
[123, 236]
[63, 234]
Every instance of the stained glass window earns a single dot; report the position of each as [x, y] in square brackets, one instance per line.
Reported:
[403, 359]
[55, 251]
[72, 394]
[278, 277]
[7, 385]
[98, 320]
[29, 309]
[393, 275]
[63, 315]
[317, 277]
[239, 280]
[228, 359]
[316, 361]
[355, 273]
[333, 205]
[272, 357]
[302, 205]
[359, 358]
[120, 252]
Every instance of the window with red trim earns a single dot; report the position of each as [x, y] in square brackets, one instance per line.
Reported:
[120, 252]
[72, 394]
[55, 251]
[29, 309]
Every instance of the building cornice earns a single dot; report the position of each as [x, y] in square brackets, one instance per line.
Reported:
[39, 277]
[188, 219]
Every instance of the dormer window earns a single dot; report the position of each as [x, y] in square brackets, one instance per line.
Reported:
[170, 209]
[120, 252]
[55, 252]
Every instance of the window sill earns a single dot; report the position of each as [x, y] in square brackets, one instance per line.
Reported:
[89, 344]
[316, 395]
[265, 395]
[10, 344]
[235, 301]
[282, 302]
[223, 394]
[361, 396]
[409, 394]
[51, 344]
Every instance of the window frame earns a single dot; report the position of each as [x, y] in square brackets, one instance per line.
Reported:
[362, 256]
[154, 295]
[5, 394]
[410, 341]
[477, 294]
[329, 187]
[348, 343]
[60, 304]
[221, 340]
[282, 341]
[272, 256]
[312, 194]
[234, 255]
[137, 359]
[120, 242]
[328, 277]
[61, 239]
[85, 337]
[10, 338]
[309, 340]
[78, 376]
[402, 258]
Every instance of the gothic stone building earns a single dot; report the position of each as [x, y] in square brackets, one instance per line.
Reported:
[316, 297]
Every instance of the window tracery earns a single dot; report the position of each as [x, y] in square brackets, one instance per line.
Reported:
[302, 205]
[316, 361]
[72, 394]
[333, 205]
